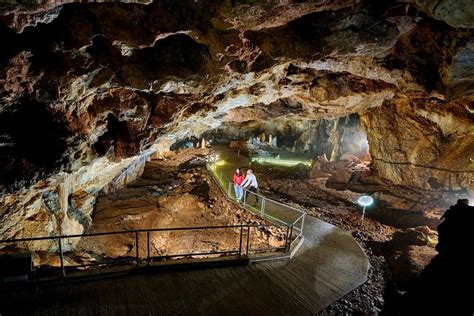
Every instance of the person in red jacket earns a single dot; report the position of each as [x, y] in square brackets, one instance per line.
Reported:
[238, 179]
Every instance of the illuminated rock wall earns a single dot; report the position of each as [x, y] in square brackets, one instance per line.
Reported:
[88, 88]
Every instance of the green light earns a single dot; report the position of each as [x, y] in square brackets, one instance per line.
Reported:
[281, 162]
[219, 163]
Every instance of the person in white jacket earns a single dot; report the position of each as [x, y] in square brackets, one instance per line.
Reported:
[250, 183]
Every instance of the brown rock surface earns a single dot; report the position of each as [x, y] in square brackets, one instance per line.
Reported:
[434, 144]
[115, 87]
[168, 196]
[90, 91]
[412, 249]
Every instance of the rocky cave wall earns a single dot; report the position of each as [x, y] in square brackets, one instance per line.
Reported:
[90, 90]
[434, 144]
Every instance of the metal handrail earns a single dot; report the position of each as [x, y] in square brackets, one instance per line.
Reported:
[271, 200]
[287, 206]
[228, 183]
[132, 231]
[267, 198]
[137, 258]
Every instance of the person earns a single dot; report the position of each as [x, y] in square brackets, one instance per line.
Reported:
[238, 179]
[250, 183]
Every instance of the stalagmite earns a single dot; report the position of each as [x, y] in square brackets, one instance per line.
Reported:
[274, 142]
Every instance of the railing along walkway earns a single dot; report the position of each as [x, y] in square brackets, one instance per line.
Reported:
[278, 213]
[141, 254]
[284, 217]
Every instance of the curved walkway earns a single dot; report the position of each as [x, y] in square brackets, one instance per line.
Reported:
[329, 265]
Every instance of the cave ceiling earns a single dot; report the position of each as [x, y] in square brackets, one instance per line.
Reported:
[81, 82]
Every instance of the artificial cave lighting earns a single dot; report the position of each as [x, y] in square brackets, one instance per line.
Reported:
[365, 200]
[281, 162]
[124, 125]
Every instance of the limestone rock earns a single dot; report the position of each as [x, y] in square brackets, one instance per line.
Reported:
[433, 142]
[90, 91]
[408, 266]
[457, 13]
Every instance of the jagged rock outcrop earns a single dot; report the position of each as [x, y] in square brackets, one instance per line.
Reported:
[89, 90]
[411, 250]
[422, 143]
[456, 13]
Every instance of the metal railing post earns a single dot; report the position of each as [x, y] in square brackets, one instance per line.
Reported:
[291, 232]
[302, 224]
[136, 246]
[248, 240]
[287, 237]
[240, 245]
[61, 256]
[229, 190]
[148, 248]
[149, 258]
[262, 208]
[245, 195]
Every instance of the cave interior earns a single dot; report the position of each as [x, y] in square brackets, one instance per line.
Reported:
[109, 112]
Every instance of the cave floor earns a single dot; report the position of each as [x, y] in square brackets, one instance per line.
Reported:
[398, 234]
[174, 192]
[329, 265]
[401, 211]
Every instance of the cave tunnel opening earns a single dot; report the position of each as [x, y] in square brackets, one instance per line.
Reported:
[331, 138]
[116, 83]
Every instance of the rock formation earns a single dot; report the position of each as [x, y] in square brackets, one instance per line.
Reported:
[441, 286]
[91, 90]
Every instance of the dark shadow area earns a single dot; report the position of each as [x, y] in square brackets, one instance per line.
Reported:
[116, 140]
[32, 142]
[177, 55]
[9, 42]
[444, 287]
